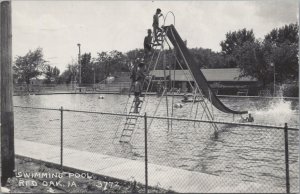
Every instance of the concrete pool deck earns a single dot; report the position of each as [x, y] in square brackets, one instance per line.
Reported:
[175, 179]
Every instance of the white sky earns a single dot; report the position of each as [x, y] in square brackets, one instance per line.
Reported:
[57, 26]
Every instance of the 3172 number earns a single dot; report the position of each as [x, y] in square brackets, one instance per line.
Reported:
[107, 185]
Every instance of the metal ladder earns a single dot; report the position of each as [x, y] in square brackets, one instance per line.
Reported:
[131, 122]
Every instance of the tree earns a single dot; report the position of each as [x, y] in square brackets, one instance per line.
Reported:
[233, 40]
[70, 74]
[206, 58]
[116, 62]
[111, 62]
[29, 66]
[236, 38]
[134, 54]
[100, 65]
[51, 73]
[285, 34]
[252, 61]
[284, 52]
[86, 69]
[279, 47]
[284, 57]
[65, 77]
[254, 57]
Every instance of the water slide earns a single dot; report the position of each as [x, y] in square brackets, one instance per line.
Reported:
[199, 78]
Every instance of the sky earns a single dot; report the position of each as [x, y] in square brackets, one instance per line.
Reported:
[58, 26]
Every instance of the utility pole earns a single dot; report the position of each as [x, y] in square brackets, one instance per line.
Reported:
[79, 63]
[94, 76]
[274, 80]
[7, 116]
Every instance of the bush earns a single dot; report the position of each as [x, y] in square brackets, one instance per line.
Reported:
[290, 90]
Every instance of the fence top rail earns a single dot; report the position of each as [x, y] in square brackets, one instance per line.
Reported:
[170, 118]
[226, 122]
[39, 108]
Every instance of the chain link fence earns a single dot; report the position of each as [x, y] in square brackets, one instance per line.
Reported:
[42, 126]
[182, 155]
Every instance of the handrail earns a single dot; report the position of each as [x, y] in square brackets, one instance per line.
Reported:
[167, 16]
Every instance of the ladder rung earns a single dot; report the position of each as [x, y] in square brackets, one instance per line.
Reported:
[139, 108]
[125, 136]
[123, 141]
[135, 107]
[140, 104]
[127, 129]
[156, 44]
[130, 123]
[137, 101]
[131, 118]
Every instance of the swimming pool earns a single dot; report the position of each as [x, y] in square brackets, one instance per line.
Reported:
[250, 154]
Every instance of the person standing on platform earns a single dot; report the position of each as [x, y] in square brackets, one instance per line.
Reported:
[156, 29]
[148, 44]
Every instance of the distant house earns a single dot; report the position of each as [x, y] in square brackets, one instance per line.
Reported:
[223, 81]
[36, 81]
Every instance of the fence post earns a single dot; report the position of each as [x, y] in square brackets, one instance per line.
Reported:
[146, 155]
[287, 172]
[61, 137]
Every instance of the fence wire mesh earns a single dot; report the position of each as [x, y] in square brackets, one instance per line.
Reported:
[235, 152]
[39, 126]
[293, 150]
[183, 155]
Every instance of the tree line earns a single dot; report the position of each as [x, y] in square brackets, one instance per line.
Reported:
[259, 58]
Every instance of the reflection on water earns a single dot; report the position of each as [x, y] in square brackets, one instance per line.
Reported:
[245, 153]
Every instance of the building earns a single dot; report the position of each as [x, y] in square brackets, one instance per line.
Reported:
[225, 81]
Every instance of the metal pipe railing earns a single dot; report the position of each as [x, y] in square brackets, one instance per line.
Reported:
[174, 118]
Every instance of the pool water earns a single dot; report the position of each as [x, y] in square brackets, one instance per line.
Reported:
[238, 152]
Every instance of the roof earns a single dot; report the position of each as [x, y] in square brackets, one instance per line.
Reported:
[224, 75]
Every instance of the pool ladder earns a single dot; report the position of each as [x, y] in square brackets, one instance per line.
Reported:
[131, 122]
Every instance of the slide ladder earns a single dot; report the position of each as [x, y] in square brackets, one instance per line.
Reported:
[132, 118]
[131, 121]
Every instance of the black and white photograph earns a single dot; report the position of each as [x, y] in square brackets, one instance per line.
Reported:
[149, 96]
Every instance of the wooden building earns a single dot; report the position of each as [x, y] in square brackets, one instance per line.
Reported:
[227, 81]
